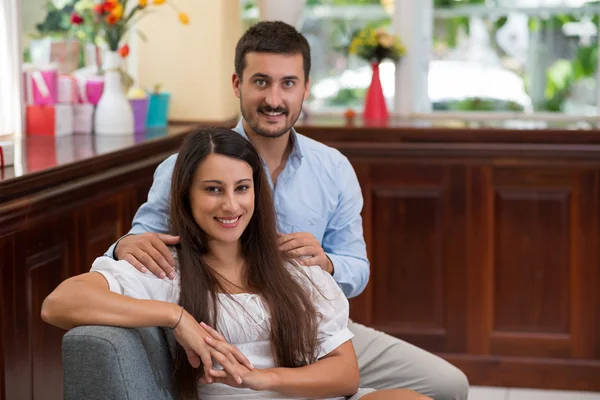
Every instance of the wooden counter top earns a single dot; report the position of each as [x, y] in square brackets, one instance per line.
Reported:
[44, 161]
[449, 131]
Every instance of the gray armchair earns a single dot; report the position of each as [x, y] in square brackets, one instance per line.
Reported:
[102, 362]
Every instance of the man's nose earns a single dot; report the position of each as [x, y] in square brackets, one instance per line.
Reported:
[274, 96]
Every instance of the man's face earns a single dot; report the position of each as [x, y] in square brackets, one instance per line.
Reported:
[271, 92]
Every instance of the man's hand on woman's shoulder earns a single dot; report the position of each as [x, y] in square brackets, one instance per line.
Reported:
[148, 251]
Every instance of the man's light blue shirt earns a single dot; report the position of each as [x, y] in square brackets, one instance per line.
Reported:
[317, 192]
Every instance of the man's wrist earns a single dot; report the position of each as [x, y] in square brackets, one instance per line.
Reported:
[117, 245]
[330, 267]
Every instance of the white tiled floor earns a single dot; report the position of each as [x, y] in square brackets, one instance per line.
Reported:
[493, 393]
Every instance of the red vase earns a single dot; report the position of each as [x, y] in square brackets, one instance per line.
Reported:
[375, 107]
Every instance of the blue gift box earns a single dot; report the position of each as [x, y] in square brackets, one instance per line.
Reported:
[158, 109]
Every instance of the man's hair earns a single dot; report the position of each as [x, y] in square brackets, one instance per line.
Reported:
[272, 37]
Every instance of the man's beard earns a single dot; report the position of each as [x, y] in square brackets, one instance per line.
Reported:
[265, 108]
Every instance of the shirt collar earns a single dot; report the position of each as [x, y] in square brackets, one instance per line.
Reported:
[296, 154]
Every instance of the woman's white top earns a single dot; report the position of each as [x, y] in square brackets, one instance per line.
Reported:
[243, 320]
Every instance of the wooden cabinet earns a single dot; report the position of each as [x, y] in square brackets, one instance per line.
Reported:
[414, 228]
[492, 262]
[48, 235]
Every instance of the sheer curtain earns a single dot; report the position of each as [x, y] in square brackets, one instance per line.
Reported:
[11, 109]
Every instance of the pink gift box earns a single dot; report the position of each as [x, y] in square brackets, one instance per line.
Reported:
[68, 91]
[83, 118]
[41, 85]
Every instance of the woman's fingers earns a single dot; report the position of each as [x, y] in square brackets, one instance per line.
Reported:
[218, 373]
[234, 351]
[193, 358]
[232, 368]
[213, 332]
[241, 358]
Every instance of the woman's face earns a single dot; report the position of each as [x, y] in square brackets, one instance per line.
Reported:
[222, 197]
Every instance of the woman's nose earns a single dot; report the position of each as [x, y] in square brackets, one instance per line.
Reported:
[229, 203]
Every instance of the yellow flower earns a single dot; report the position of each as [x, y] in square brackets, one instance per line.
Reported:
[143, 3]
[386, 40]
[183, 17]
[117, 12]
[158, 2]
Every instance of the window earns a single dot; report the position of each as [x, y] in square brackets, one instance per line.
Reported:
[512, 56]
[338, 81]
[524, 55]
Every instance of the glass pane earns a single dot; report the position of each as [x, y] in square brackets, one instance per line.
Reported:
[515, 56]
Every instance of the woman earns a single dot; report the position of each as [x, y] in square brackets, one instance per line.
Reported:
[269, 328]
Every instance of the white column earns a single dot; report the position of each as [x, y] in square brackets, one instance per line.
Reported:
[288, 11]
[413, 22]
[598, 77]
[11, 104]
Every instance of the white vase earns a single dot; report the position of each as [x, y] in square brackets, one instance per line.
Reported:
[288, 11]
[114, 115]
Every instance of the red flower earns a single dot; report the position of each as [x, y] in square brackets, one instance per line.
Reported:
[98, 9]
[124, 51]
[111, 19]
[76, 19]
[107, 6]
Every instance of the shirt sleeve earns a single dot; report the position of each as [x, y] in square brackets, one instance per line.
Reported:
[153, 215]
[343, 241]
[332, 309]
[124, 279]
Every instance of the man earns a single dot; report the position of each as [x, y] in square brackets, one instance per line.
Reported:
[317, 199]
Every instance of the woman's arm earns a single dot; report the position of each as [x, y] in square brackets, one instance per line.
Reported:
[336, 374]
[86, 300]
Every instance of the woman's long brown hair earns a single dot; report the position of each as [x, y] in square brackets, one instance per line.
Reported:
[293, 315]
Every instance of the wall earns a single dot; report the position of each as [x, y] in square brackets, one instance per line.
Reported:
[193, 62]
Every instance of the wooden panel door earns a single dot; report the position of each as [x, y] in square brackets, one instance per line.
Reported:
[7, 266]
[43, 258]
[414, 228]
[534, 266]
[101, 223]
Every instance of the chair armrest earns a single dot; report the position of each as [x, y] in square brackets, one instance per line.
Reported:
[104, 362]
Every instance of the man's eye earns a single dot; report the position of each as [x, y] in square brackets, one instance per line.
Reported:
[288, 83]
[261, 82]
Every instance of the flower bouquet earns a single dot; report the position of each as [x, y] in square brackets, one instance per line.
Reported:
[374, 45]
[112, 21]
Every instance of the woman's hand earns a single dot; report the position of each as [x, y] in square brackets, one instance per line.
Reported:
[235, 372]
[255, 379]
[191, 336]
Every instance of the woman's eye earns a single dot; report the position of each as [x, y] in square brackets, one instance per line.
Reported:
[242, 188]
[212, 189]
